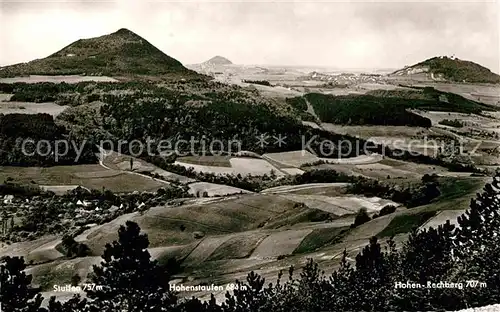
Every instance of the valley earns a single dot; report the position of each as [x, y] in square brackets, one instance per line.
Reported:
[212, 162]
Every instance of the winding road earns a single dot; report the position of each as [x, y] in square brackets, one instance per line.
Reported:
[103, 154]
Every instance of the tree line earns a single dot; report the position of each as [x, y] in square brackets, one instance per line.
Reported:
[365, 110]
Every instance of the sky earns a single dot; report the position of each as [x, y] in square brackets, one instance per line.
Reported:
[339, 34]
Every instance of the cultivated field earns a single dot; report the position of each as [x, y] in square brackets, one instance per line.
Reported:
[485, 93]
[340, 205]
[203, 168]
[468, 119]
[205, 248]
[279, 244]
[238, 247]
[292, 171]
[212, 189]
[88, 176]
[442, 217]
[367, 132]
[218, 161]
[59, 189]
[216, 217]
[31, 108]
[302, 187]
[362, 159]
[245, 166]
[119, 162]
[7, 107]
[319, 238]
[57, 79]
[292, 159]
[238, 165]
[28, 247]
[300, 158]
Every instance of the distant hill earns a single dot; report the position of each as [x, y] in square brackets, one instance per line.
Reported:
[218, 60]
[451, 69]
[122, 53]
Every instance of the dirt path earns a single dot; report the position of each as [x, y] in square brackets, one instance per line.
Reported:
[310, 109]
[102, 155]
[358, 160]
[280, 243]
[461, 138]
[61, 189]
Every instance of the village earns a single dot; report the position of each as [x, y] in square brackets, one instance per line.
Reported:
[25, 218]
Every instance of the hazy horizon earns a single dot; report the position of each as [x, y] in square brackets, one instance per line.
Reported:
[337, 35]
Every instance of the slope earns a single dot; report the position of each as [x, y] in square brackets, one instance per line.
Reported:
[451, 69]
[122, 53]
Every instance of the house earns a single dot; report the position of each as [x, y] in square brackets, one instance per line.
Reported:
[82, 203]
[7, 199]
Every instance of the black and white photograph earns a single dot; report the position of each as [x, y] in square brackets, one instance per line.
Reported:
[249, 155]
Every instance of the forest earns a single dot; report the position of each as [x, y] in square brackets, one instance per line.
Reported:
[31, 140]
[364, 110]
[388, 107]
